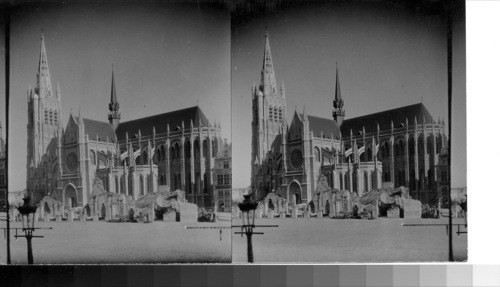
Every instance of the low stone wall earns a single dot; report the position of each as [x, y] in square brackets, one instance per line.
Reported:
[188, 212]
[412, 208]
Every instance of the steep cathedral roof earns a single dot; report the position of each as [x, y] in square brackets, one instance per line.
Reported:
[98, 130]
[174, 119]
[321, 125]
[326, 126]
[384, 118]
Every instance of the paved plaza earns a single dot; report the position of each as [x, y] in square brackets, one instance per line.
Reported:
[349, 240]
[102, 242]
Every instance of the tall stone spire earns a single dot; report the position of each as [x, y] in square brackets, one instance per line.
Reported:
[44, 86]
[114, 107]
[44, 114]
[338, 103]
[269, 113]
[268, 80]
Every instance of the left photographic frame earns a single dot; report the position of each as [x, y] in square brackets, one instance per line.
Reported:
[119, 130]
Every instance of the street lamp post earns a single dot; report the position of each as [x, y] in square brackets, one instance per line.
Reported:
[247, 208]
[27, 211]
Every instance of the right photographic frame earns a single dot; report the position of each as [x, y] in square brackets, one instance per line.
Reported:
[348, 132]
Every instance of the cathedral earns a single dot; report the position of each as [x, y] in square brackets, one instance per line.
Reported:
[398, 147]
[169, 151]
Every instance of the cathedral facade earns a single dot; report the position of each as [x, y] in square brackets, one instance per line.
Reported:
[169, 151]
[398, 147]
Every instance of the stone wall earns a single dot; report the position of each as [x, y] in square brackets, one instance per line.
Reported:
[412, 208]
[188, 212]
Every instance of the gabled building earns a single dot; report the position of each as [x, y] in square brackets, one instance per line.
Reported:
[222, 174]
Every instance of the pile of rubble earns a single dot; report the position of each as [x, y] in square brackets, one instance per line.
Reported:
[164, 205]
[334, 203]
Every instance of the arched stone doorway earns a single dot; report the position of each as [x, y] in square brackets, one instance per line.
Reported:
[270, 204]
[103, 211]
[295, 191]
[312, 207]
[70, 196]
[327, 208]
[46, 207]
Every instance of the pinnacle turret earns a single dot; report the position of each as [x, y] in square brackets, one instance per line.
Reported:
[114, 107]
[338, 103]
[282, 89]
[58, 91]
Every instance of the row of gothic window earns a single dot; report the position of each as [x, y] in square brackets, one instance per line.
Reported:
[223, 179]
[344, 181]
[399, 150]
[399, 179]
[275, 114]
[175, 181]
[386, 177]
[399, 147]
[51, 117]
[175, 150]
[144, 185]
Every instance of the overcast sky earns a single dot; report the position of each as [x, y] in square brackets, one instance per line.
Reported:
[165, 58]
[387, 58]
[172, 57]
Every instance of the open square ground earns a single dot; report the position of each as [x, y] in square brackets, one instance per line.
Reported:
[102, 242]
[349, 240]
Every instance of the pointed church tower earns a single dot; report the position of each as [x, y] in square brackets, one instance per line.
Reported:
[268, 110]
[268, 105]
[44, 111]
[44, 123]
[338, 103]
[114, 107]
